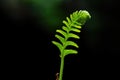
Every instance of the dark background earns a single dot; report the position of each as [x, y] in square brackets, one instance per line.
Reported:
[28, 27]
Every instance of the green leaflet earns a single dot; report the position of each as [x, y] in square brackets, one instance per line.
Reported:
[65, 29]
[71, 43]
[58, 45]
[71, 35]
[62, 40]
[76, 26]
[71, 17]
[62, 32]
[67, 24]
[69, 51]
[69, 21]
[75, 30]
[72, 25]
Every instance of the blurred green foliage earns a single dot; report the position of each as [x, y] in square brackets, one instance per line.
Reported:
[47, 11]
[50, 13]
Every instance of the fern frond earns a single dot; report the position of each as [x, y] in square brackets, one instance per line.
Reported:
[71, 26]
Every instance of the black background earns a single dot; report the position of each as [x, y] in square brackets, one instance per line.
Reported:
[27, 51]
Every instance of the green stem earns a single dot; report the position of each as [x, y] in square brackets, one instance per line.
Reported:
[62, 59]
[61, 68]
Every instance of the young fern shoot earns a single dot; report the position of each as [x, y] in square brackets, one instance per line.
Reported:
[71, 26]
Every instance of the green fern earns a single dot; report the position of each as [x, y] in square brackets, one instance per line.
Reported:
[71, 26]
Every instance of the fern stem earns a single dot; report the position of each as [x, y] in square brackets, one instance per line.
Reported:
[61, 68]
[62, 58]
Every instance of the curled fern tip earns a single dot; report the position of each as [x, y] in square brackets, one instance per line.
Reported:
[83, 16]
